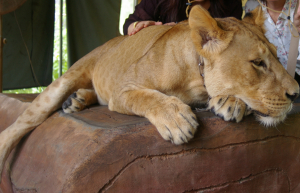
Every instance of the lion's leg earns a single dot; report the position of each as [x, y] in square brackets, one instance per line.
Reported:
[80, 100]
[228, 107]
[173, 119]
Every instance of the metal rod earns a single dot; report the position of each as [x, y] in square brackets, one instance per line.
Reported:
[1, 55]
[61, 38]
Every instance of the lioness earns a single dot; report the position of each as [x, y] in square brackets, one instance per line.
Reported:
[155, 74]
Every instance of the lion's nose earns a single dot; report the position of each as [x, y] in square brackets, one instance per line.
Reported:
[292, 97]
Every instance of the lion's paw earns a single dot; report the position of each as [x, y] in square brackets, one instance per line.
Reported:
[229, 108]
[175, 121]
[74, 103]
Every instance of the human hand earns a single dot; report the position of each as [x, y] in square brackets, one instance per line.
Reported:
[297, 19]
[140, 25]
[171, 23]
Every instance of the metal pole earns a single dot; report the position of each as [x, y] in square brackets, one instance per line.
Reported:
[60, 38]
[1, 54]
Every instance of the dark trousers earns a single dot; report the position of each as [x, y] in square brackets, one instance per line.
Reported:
[297, 78]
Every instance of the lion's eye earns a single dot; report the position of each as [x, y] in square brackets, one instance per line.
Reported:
[259, 63]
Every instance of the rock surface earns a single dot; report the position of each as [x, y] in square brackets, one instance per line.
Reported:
[97, 150]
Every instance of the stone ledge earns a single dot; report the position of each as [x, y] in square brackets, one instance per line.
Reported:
[97, 150]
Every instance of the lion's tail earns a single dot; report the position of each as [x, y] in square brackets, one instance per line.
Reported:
[78, 76]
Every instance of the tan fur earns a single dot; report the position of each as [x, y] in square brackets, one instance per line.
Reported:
[155, 74]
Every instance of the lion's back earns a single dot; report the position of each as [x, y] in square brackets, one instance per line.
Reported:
[127, 49]
[117, 55]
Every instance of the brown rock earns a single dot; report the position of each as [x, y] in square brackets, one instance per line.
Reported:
[97, 150]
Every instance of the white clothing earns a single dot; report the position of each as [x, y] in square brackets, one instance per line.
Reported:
[279, 33]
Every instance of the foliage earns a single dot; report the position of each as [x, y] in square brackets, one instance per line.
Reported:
[56, 45]
[56, 49]
[126, 9]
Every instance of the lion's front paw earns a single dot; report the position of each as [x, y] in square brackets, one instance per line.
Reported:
[74, 103]
[175, 121]
[228, 107]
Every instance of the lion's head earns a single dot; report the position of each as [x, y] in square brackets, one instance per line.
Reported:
[240, 61]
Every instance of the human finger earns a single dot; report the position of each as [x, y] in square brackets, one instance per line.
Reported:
[148, 23]
[139, 25]
[142, 24]
[297, 19]
[171, 23]
[136, 29]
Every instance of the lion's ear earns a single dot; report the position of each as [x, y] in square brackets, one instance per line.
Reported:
[207, 35]
[255, 17]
